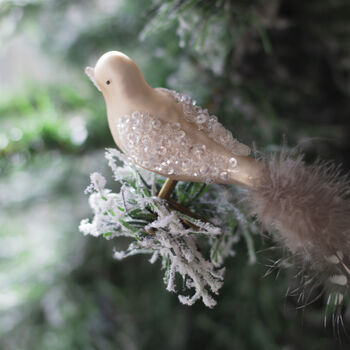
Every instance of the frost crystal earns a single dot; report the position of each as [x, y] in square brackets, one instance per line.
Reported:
[167, 235]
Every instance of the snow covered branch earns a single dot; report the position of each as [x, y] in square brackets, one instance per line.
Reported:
[153, 228]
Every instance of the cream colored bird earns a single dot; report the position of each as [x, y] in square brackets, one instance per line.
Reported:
[165, 131]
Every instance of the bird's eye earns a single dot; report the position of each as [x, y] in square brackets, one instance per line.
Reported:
[108, 82]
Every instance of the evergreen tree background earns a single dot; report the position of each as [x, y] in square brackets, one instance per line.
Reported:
[266, 68]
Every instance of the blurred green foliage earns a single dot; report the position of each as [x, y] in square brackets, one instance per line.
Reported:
[267, 68]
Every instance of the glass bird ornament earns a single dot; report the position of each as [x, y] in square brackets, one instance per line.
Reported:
[167, 132]
[307, 207]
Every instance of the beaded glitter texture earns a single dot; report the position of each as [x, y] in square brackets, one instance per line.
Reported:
[165, 148]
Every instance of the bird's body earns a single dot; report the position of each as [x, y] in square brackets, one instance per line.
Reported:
[166, 132]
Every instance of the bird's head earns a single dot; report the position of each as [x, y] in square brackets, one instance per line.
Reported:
[117, 76]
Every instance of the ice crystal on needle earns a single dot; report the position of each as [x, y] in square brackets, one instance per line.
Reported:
[135, 212]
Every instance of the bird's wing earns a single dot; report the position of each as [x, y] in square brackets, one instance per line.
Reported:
[208, 124]
[166, 148]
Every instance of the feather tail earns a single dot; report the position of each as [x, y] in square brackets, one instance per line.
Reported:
[307, 208]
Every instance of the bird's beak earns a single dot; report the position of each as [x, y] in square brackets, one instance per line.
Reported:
[89, 71]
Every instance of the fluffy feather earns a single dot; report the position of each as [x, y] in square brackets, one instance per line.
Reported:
[307, 209]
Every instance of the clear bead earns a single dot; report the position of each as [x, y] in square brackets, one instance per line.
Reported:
[224, 175]
[213, 119]
[233, 162]
[186, 163]
[161, 150]
[214, 172]
[187, 109]
[175, 126]
[183, 143]
[180, 134]
[137, 138]
[188, 117]
[204, 170]
[156, 124]
[147, 127]
[166, 142]
[201, 118]
[146, 140]
[198, 150]
[127, 120]
[218, 128]
[135, 114]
